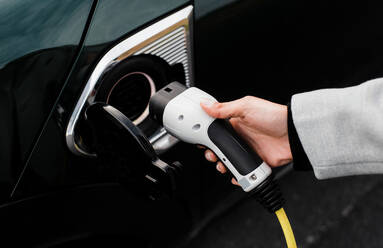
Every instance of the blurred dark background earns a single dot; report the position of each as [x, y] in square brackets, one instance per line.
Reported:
[344, 212]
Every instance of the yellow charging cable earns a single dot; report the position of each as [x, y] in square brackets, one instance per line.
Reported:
[286, 227]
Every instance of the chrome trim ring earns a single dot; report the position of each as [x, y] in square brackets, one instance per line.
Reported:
[160, 38]
[144, 114]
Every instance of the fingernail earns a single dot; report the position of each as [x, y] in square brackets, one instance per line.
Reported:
[219, 167]
[209, 156]
[207, 102]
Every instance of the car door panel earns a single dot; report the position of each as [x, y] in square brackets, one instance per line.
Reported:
[51, 148]
[38, 44]
[53, 168]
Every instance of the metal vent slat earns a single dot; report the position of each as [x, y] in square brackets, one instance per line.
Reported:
[178, 33]
[171, 47]
[172, 53]
[163, 40]
[164, 46]
[177, 59]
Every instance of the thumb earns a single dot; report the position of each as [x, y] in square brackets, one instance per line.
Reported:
[223, 110]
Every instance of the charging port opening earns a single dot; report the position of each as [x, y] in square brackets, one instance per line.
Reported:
[128, 87]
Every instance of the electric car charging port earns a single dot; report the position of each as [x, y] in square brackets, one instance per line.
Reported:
[115, 125]
[123, 95]
[128, 87]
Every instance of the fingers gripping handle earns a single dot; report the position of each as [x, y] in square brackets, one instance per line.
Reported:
[246, 166]
[178, 109]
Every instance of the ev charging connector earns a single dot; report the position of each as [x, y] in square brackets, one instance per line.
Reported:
[178, 109]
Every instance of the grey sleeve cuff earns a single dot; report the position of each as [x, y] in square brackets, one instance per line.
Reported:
[341, 130]
[301, 162]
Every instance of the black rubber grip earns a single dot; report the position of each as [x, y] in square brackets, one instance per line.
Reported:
[236, 150]
[269, 194]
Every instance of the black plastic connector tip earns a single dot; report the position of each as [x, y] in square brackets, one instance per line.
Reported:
[159, 100]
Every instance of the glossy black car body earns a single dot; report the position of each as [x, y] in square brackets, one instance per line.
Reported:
[271, 49]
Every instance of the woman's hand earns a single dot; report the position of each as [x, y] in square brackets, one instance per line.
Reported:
[261, 123]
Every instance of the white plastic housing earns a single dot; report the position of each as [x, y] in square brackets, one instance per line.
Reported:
[185, 119]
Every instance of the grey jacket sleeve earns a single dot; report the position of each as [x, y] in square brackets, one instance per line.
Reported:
[341, 130]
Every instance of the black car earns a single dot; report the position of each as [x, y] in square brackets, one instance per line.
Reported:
[66, 183]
